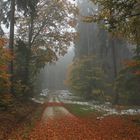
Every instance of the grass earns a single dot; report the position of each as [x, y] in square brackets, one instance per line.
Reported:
[80, 110]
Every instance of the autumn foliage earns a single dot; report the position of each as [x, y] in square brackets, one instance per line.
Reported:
[127, 82]
[134, 65]
[77, 128]
[71, 128]
[86, 77]
[5, 58]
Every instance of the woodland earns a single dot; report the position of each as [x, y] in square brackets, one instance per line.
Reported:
[105, 35]
[35, 38]
[107, 53]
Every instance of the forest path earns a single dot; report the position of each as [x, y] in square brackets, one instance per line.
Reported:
[55, 109]
[59, 124]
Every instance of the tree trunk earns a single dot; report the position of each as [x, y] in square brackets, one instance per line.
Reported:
[27, 69]
[116, 98]
[11, 43]
[114, 57]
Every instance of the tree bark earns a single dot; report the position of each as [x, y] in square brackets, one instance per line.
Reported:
[116, 98]
[114, 57]
[30, 35]
[11, 43]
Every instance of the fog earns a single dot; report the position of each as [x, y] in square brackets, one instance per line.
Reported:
[53, 75]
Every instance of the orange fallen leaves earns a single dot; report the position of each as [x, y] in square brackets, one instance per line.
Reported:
[70, 128]
[54, 104]
[89, 128]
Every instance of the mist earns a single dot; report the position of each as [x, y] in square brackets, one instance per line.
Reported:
[53, 75]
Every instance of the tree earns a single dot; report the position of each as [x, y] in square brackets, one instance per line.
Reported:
[9, 17]
[86, 77]
[46, 32]
[41, 35]
[11, 42]
[127, 82]
[5, 96]
[121, 18]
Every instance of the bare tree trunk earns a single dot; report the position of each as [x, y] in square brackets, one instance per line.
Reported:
[114, 57]
[116, 98]
[11, 43]
[30, 35]
[138, 43]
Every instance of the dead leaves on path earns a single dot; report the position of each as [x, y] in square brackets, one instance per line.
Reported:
[70, 128]
[67, 128]
[54, 104]
[90, 128]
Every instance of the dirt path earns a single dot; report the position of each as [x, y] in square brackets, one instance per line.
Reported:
[59, 124]
[55, 110]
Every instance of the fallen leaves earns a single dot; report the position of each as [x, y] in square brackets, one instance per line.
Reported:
[89, 128]
[71, 128]
[54, 104]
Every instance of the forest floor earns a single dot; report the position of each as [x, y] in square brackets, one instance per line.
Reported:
[59, 124]
[60, 121]
[19, 118]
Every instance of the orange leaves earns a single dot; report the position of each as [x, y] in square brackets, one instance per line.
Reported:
[5, 76]
[5, 58]
[67, 128]
[2, 42]
[70, 128]
[54, 104]
[132, 63]
[5, 68]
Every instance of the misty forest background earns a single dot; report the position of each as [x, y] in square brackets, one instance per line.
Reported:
[103, 46]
